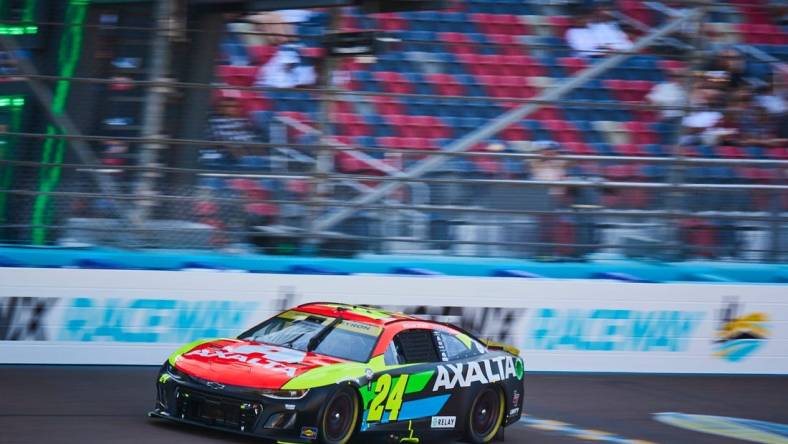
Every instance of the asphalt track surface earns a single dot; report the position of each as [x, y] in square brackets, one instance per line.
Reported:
[88, 404]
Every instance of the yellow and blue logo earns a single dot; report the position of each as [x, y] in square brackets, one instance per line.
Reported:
[309, 432]
[739, 336]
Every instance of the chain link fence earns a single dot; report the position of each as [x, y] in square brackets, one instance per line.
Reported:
[268, 179]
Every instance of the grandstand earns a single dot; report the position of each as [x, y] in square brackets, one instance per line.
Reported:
[297, 169]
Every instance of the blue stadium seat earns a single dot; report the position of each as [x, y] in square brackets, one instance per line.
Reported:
[254, 163]
[214, 183]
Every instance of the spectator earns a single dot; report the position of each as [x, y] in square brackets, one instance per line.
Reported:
[772, 100]
[734, 66]
[580, 38]
[670, 93]
[596, 33]
[286, 69]
[760, 130]
[270, 28]
[550, 168]
[699, 122]
[228, 125]
[605, 28]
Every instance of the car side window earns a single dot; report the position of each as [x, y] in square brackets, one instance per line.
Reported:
[415, 346]
[454, 347]
[391, 356]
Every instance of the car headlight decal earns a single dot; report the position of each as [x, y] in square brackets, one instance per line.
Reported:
[284, 394]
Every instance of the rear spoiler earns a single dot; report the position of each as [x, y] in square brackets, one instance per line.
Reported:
[493, 345]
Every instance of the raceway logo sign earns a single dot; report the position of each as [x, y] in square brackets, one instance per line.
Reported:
[612, 329]
[485, 371]
[738, 336]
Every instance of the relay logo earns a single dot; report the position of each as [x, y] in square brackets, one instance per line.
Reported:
[612, 330]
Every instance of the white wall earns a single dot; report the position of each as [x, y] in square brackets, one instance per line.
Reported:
[70, 316]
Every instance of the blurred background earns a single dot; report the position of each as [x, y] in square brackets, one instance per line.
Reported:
[552, 130]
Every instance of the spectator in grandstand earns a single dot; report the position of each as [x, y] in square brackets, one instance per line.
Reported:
[551, 167]
[286, 69]
[698, 123]
[596, 33]
[228, 125]
[670, 93]
[730, 64]
[772, 99]
[760, 129]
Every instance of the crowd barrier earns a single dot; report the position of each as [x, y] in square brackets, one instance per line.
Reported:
[73, 316]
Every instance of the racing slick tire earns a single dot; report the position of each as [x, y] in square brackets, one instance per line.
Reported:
[485, 415]
[340, 417]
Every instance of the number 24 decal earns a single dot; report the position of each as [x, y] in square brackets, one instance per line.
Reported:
[391, 396]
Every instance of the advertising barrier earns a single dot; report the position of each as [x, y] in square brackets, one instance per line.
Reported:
[72, 316]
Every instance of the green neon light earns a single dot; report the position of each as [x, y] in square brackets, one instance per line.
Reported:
[29, 13]
[12, 101]
[18, 30]
[28, 16]
[54, 150]
[8, 151]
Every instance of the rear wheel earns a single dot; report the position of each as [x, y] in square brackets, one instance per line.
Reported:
[485, 416]
[339, 417]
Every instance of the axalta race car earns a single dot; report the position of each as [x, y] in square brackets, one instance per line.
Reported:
[327, 373]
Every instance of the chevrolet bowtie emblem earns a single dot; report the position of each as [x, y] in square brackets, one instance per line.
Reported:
[215, 385]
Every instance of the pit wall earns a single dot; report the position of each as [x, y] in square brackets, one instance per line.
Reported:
[72, 316]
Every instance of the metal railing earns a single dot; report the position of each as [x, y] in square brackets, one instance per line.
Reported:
[402, 200]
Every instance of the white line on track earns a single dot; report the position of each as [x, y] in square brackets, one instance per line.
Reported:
[563, 428]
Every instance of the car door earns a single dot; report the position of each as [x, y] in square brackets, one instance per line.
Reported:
[402, 392]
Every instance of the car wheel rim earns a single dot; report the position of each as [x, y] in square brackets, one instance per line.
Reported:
[485, 413]
[339, 417]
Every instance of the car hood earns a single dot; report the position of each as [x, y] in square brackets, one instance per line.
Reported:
[249, 364]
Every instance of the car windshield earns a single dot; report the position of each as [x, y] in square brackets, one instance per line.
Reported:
[349, 340]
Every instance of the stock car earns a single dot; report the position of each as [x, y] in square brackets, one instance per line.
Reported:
[326, 372]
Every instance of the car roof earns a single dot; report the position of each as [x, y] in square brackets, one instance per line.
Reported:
[358, 313]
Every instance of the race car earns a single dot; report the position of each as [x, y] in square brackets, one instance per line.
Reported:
[328, 372]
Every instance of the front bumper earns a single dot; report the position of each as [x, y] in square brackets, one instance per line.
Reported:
[240, 410]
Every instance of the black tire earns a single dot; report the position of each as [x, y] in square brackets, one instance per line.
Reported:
[340, 417]
[485, 415]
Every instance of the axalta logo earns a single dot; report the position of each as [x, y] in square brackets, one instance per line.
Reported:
[738, 336]
[485, 371]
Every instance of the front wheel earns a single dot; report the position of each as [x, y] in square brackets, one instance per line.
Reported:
[340, 417]
[485, 416]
